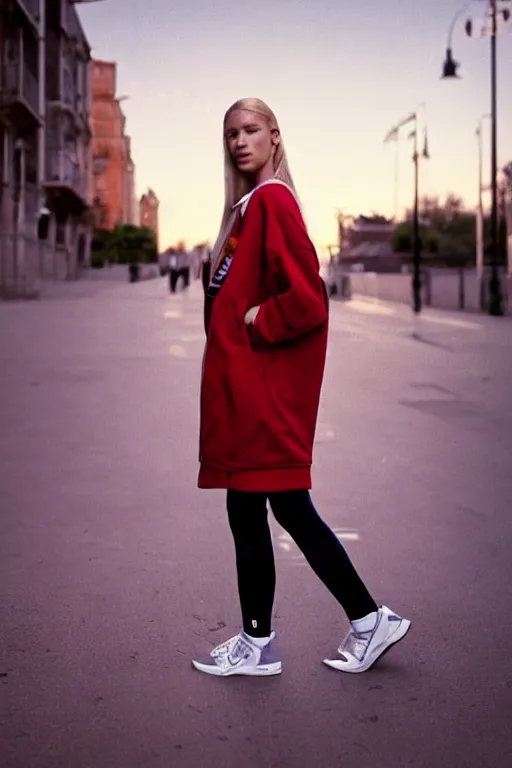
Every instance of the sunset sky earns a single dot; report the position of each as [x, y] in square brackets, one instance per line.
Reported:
[338, 75]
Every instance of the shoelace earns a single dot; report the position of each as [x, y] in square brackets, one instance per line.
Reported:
[225, 648]
[355, 643]
[231, 652]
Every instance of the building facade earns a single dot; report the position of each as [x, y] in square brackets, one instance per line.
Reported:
[113, 167]
[148, 207]
[365, 244]
[67, 142]
[45, 144]
[21, 140]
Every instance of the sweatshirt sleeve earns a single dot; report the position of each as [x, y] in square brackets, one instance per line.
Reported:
[300, 304]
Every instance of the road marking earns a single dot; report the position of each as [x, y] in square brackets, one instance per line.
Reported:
[192, 337]
[325, 431]
[172, 314]
[286, 543]
[177, 350]
[344, 534]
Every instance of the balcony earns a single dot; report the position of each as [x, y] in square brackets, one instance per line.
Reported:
[66, 183]
[71, 99]
[70, 23]
[30, 10]
[19, 94]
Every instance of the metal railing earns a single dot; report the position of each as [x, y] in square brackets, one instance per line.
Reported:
[71, 94]
[62, 167]
[30, 89]
[20, 82]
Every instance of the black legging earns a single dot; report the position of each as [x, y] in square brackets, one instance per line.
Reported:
[294, 511]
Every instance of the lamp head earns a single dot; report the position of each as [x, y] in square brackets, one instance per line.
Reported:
[450, 66]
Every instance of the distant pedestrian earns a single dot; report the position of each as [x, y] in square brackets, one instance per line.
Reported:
[266, 319]
[179, 266]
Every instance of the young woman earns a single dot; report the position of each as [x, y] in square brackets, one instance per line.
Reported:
[266, 318]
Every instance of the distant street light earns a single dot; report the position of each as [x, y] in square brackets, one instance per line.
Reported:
[392, 135]
[450, 67]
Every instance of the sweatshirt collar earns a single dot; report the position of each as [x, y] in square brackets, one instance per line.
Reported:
[244, 201]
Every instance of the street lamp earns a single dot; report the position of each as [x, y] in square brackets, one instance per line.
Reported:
[416, 242]
[495, 303]
[450, 66]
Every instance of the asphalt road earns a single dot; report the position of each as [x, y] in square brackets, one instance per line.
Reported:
[115, 569]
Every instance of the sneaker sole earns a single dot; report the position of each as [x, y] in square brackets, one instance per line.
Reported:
[264, 671]
[400, 633]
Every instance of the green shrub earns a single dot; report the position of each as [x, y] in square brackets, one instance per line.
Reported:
[97, 260]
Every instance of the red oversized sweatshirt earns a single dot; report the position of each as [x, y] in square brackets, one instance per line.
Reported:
[261, 384]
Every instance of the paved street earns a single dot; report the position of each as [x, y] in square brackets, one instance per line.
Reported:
[115, 569]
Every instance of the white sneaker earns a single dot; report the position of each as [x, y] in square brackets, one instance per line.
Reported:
[359, 650]
[239, 656]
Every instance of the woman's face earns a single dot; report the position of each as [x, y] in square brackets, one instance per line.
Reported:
[251, 143]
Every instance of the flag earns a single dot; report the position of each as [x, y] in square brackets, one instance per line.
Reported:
[392, 135]
[426, 153]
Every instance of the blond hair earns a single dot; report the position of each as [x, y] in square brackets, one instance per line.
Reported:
[236, 183]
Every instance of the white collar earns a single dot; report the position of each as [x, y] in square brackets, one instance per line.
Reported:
[244, 201]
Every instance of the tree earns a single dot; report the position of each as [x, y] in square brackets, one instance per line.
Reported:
[447, 232]
[402, 239]
[125, 244]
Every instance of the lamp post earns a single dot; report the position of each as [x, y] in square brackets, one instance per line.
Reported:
[416, 244]
[416, 241]
[450, 67]
[480, 207]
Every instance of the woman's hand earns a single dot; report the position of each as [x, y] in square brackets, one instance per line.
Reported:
[251, 315]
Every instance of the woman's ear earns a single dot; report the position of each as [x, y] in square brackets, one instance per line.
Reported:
[276, 137]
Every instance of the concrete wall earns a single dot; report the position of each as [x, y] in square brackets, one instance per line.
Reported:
[442, 288]
[385, 287]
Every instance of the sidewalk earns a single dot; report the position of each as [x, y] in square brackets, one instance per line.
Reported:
[93, 281]
[447, 316]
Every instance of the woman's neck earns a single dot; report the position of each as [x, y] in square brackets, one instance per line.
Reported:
[264, 174]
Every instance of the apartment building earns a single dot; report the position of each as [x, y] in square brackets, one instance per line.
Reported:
[21, 139]
[113, 167]
[68, 158]
[45, 144]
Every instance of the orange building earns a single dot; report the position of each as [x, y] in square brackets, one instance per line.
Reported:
[112, 167]
[148, 208]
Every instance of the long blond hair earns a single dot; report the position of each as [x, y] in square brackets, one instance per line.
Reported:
[236, 183]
